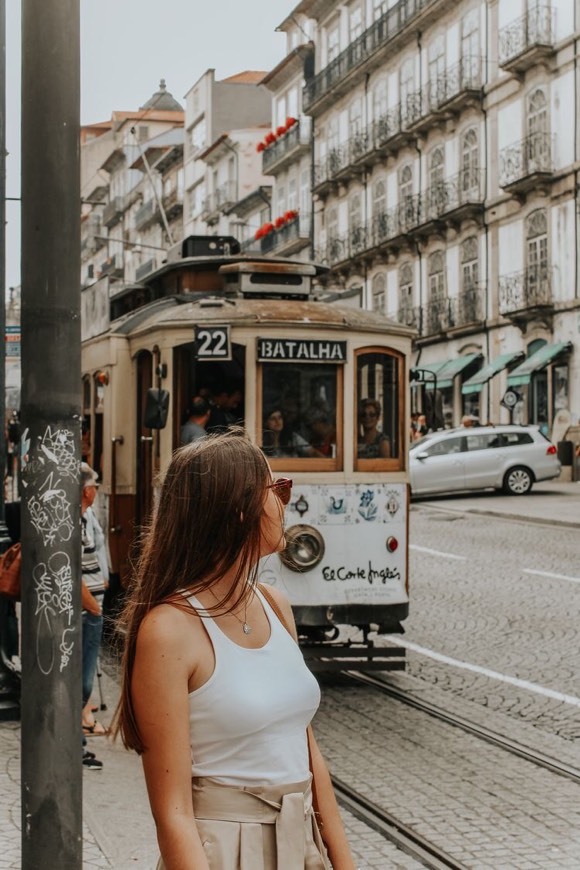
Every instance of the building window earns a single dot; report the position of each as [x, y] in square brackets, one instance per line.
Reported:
[407, 82]
[405, 313]
[469, 264]
[469, 162]
[305, 191]
[436, 70]
[332, 43]
[380, 100]
[355, 21]
[292, 194]
[537, 254]
[537, 112]
[437, 275]
[281, 199]
[470, 36]
[332, 223]
[436, 167]
[379, 290]
[355, 117]
[379, 9]
[198, 135]
[379, 198]
[406, 210]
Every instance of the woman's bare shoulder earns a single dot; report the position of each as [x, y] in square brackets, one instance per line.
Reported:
[168, 623]
[283, 603]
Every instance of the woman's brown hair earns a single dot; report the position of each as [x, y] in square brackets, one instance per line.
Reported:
[208, 519]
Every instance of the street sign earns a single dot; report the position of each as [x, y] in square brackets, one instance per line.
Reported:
[511, 398]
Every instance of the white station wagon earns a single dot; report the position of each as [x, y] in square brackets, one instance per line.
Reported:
[507, 457]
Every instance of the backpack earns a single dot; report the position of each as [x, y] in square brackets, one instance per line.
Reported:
[10, 568]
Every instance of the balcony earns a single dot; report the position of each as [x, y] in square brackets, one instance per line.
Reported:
[146, 214]
[468, 309]
[460, 86]
[209, 209]
[527, 40]
[289, 239]
[144, 269]
[525, 295]
[342, 249]
[527, 164]
[226, 196]
[458, 198]
[408, 315]
[327, 171]
[288, 148]
[390, 229]
[113, 267]
[332, 80]
[436, 316]
[173, 203]
[113, 211]
[389, 132]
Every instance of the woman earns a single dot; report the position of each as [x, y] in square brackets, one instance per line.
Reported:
[202, 694]
[372, 443]
[282, 441]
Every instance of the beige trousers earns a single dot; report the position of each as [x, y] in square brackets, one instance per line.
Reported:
[267, 828]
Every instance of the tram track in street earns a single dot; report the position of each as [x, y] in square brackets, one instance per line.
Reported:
[401, 835]
[493, 737]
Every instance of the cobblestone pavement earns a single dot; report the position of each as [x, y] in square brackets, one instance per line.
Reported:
[486, 610]
[118, 830]
[486, 808]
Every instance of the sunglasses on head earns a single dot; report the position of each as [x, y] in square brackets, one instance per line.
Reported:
[282, 488]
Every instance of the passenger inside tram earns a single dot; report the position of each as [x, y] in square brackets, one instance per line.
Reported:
[372, 442]
[322, 432]
[281, 441]
[225, 407]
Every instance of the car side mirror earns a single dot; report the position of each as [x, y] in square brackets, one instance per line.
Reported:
[156, 408]
[422, 456]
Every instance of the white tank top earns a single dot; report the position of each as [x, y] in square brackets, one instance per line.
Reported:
[248, 721]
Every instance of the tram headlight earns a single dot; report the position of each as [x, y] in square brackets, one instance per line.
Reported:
[304, 548]
[392, 544]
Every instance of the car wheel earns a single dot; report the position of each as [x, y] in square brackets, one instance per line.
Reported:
[518, 481]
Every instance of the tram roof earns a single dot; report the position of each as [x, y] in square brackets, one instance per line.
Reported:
[207, 308]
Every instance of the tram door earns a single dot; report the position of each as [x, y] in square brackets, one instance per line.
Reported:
[144, 444]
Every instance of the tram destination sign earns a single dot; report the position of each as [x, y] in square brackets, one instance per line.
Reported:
[301, 350]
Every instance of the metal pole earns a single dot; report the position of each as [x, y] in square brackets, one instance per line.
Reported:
[9, 681]
[51, 430]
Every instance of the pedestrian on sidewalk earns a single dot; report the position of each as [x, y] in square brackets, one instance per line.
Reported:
[216, 696]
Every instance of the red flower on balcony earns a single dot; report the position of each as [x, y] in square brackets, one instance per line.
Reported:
[260, 147]
[268, 228]
[259, 233]
[270, 138]
[281, 130]
[279, 222]
[290, 215]
[290, 122]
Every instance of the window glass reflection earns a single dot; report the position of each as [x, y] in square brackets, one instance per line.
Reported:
[378, 406]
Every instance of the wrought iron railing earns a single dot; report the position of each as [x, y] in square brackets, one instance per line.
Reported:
[336, 160]
[444, 197]
[293, 140]
[360, 49]
[527, 157]
[408, 315]
[469, 306]
[464, 76]
[113, 266]
[358, 145]
[208, 206]
[536, 28]
[226, 194]
[436, 316]
[531, 288]
[387, 126]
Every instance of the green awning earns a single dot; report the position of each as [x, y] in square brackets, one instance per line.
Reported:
[536, 362]
[476, 382]
[454, 367]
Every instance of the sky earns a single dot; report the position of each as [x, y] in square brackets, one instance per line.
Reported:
[127, 46]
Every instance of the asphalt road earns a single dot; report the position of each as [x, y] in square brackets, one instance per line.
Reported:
[500, 596]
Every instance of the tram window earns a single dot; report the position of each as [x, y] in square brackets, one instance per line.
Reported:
[378, 438]
[299, 411]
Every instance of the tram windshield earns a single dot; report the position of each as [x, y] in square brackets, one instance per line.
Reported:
[378, 401]
[299, 402]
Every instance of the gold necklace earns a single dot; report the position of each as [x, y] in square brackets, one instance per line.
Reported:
[247, 629]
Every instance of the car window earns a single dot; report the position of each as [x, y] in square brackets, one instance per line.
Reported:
[445, 447]
[515, 439]
[483, 441]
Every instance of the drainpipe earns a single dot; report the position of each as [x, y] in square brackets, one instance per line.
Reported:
[487, 251]
[420, 187]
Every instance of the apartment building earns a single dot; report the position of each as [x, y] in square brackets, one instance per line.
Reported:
[122, 191]
[286, 150]
[445, 153]
[223, 124]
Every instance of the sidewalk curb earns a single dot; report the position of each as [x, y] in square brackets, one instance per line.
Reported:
[502, 515]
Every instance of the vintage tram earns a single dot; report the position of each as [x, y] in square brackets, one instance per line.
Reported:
[321, 387]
